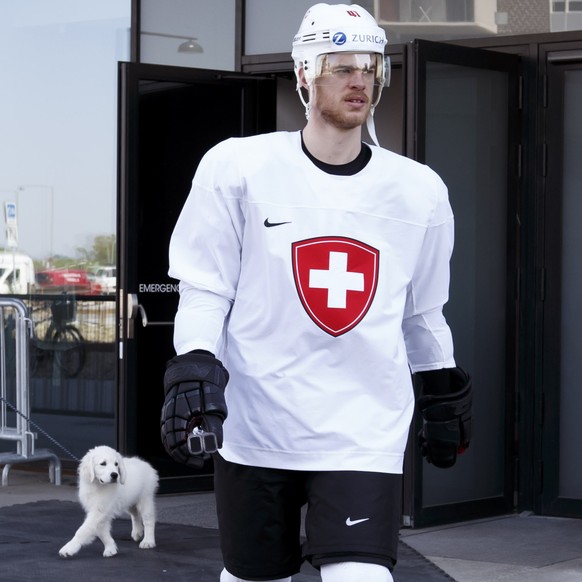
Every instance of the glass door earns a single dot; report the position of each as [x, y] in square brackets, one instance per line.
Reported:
[462, 110]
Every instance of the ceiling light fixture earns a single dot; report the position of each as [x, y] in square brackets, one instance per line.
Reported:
[189, 46]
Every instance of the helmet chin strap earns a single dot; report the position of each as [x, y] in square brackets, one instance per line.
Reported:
[306, 104]
[370, 126]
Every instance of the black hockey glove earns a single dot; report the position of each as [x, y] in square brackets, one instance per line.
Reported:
[194, 407]
[445, 406]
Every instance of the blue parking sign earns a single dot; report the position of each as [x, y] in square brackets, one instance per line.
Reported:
[10, 211]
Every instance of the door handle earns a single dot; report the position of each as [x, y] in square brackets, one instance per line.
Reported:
[135, 308]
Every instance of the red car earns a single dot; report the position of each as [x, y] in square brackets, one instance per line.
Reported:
[59, 280]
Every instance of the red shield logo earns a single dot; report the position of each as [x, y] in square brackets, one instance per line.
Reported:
[336, 279]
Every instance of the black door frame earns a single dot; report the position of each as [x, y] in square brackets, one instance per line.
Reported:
[251, 109]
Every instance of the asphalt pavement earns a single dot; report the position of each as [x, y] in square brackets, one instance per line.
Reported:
[510, 548]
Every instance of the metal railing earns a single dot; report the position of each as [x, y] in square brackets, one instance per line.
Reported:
[15, 330]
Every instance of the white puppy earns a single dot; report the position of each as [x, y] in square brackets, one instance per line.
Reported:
[110, 485]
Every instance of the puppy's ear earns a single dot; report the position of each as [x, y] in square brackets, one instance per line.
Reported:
[87, 469]
[121, 467]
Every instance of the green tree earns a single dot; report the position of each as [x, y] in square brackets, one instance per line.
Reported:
[101, 251]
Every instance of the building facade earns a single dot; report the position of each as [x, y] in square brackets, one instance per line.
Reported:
[487, 95]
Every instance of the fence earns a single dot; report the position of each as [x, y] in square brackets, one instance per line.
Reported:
[15, 329]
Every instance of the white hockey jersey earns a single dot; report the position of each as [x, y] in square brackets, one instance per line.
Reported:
[319, 293]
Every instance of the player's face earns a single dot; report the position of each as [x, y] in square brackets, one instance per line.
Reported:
[343, 88]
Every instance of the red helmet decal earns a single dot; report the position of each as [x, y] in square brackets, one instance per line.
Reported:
[336, 279]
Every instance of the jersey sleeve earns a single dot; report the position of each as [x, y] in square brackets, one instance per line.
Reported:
[427, 335]
[205, 250]
[199, 320]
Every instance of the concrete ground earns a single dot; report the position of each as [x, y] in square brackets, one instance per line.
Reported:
[512, 548]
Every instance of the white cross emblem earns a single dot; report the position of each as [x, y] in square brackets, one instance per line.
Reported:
[337, 280]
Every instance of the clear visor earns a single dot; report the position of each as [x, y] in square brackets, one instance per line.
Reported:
[339, 67]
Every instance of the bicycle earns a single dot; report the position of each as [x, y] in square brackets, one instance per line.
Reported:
[63, 343]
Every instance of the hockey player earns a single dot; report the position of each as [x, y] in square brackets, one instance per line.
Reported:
[314, 268]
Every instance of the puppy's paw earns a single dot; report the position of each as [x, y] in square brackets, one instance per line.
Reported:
[147, 544]
[110, 551]
[136, 534]
[69, 549]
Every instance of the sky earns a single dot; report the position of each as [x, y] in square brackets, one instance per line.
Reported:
[58, 119]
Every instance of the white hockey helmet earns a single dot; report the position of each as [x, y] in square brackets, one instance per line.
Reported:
[338, 28]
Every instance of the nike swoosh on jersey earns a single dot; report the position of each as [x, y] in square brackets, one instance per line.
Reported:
[350, 521]
[270, 224]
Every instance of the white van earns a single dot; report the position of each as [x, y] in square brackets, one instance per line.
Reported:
[105, 279]
[16, 273]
